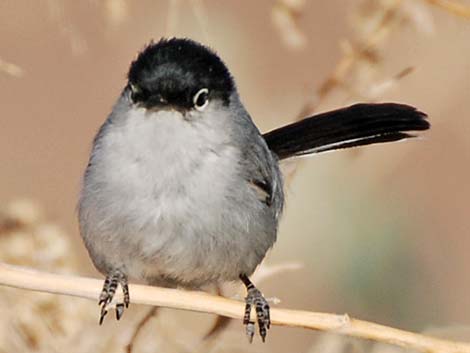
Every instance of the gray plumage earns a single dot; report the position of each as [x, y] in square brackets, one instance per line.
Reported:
[171, 198]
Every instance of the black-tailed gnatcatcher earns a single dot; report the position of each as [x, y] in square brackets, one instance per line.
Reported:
[182, 190]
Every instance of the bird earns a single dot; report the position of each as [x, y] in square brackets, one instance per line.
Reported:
[182, 190]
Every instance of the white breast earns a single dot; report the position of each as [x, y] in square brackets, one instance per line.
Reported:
[157, 193]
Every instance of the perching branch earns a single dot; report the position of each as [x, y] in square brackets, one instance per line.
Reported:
[24, 278]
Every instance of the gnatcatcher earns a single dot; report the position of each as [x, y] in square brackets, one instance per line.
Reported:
[182, 190]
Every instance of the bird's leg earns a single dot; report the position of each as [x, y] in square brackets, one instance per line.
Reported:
[256, 299]
[113, 279]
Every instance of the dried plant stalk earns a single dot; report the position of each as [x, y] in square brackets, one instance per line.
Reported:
[139, 327]
[453, 7]
[19, 277]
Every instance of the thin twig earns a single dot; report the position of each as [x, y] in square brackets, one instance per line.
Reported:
[139, 327]
[343, 68]
[19, 277]
[221, 322]
[346, 63]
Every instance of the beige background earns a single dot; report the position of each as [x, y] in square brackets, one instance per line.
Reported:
[383, 233]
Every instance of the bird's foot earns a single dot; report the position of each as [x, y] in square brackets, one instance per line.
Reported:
[254, 298]
[113, 279]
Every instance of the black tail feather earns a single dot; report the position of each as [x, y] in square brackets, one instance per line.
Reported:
[357, 125]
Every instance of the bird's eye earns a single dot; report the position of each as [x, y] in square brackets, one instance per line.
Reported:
[201, 99]
[137, 94]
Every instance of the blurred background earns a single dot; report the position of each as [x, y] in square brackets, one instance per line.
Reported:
[381, 233]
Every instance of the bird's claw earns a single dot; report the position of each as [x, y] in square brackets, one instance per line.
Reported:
[113, 279]
[254, 298]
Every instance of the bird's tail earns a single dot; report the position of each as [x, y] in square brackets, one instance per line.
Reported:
[357, 125]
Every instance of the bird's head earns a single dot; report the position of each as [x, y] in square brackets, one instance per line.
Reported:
[178, 74]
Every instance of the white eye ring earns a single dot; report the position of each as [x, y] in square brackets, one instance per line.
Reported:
[134, 88]
[201, 94]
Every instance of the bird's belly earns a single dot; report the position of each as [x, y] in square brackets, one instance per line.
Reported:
[192, 242]
[183, 227]
[167, 203]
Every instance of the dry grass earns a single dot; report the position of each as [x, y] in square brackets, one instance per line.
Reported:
[36, 322]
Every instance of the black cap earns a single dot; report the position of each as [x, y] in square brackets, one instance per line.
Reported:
[172, 71]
